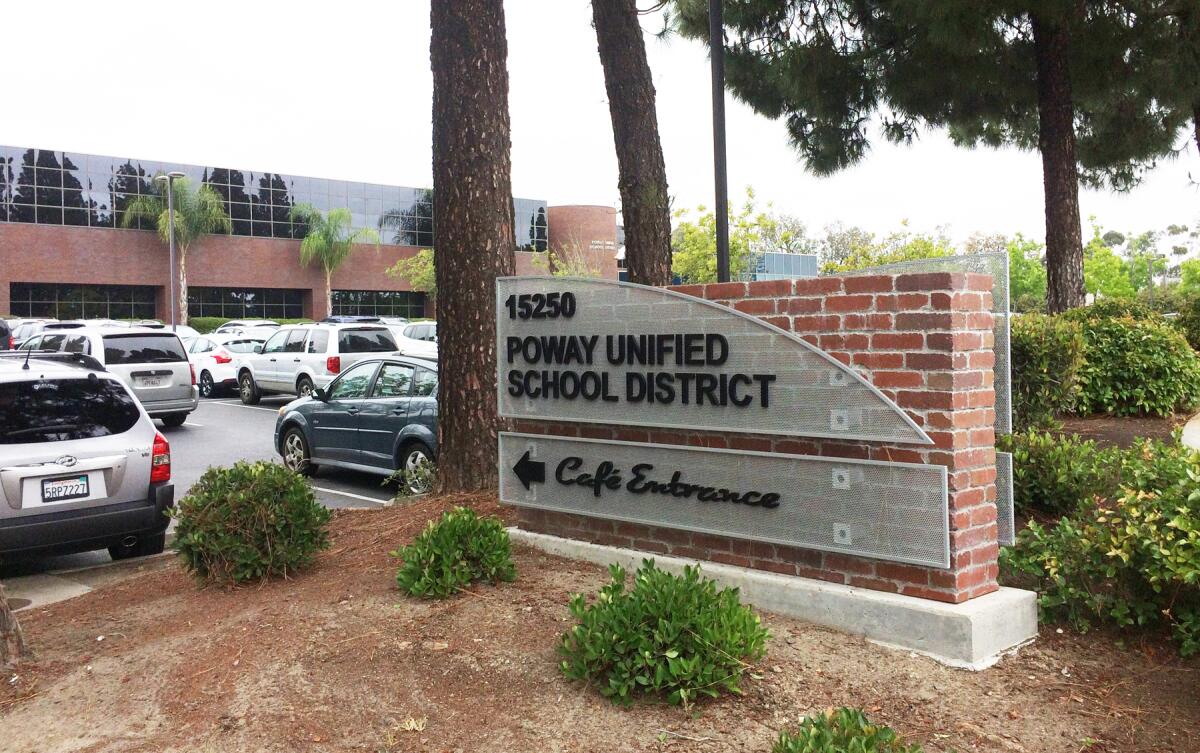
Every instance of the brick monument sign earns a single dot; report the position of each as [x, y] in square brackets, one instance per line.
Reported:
[825, 443]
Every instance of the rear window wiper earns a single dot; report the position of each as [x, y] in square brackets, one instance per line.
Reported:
[38, 429]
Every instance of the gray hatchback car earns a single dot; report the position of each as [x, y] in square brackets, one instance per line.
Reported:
[378, 416]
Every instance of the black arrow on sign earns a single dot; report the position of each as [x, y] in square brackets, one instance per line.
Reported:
[530, 471]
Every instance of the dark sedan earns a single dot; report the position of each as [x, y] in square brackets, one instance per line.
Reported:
[379, 416]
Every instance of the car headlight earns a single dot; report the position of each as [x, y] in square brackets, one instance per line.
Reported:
[282, 410]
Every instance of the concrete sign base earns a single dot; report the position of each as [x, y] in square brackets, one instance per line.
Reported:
[971, 635]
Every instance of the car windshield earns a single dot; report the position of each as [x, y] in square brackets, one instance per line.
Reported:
[59, 410]
[142, 348]
[366, 341]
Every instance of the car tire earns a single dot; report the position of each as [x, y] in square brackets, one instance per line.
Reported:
[174, 420]
[304, 387]
[296, 454]
[208, 388]
[248, 390]
[143, 547]
[411, 455]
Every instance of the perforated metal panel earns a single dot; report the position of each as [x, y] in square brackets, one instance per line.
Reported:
[811, 395]
[890, 511]
[995, 264]
[1006, 516]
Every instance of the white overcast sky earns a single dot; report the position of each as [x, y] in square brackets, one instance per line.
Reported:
[342, 90]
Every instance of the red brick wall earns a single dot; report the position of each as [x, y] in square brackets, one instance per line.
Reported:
[586, 230]
[102, 256]
[925, 341]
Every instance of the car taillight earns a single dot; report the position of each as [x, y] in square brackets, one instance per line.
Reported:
[192, 368]
[160, 459]
[333, 364]
[12, 343]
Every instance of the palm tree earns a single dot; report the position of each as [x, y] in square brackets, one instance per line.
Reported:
[328, 241]
[197, 212]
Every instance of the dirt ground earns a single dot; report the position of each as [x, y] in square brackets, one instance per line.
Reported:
[1123, 430]
[337, 659]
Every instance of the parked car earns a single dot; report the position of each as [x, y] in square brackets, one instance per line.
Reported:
[182, 330]
[418, 340]
[396, 320]
[81, 465]
[152, 363]
[6, 339]
[26, 329]
[340, 319]
[239, 324]
[216, 358]
[297, 359]
[378, 416]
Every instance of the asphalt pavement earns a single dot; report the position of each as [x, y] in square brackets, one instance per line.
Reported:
[220, 432]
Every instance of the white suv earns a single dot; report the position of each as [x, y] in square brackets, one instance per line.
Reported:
[81, 465]
[151, 362]
[297, 359]
[418, 340]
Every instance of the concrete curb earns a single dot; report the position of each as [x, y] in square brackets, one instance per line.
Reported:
[972, 635]
[1191, 433]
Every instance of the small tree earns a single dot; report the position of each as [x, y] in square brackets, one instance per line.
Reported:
[12, 640]
[570, 259]
[418, 270]
[328, 241]
[197, 212]
[694, 242]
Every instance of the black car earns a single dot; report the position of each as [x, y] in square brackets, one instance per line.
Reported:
[378, 416]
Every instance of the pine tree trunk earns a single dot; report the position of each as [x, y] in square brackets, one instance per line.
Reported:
[12, 640]
[183, 293]
[1060, 176]
[473, 225]
[645, 205]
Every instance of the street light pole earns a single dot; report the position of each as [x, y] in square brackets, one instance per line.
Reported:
[716, 53]
[169, 180]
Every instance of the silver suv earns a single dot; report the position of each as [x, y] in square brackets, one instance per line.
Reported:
[81, 465]
[297, 359]
[152, 362]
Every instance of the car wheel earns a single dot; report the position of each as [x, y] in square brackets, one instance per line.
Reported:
[207, 388]
[304, 387]
[174, 419]
[143, 547]
[412, 457]
[296, 455]
[248, 390]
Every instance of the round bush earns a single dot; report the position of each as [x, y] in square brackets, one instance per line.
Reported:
[675, 635]
[249, 522]
[453, 552]
[1056, 473]
[1046, 355]
[1113, 308]
[1188, 321]
[841, 731]
[1135, 367]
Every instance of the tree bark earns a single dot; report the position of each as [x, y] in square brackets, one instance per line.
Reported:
[473, 224]
[12, 639]
[645, 204]
[183, 304]
[1060, 174]
[328, 293]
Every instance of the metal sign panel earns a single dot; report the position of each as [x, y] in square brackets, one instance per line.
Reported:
[890, 511]
[600, 351]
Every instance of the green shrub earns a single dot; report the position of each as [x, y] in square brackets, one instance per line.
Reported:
[1112, 308]
[675, 635]
[1136, 366]
[1055, 473]
[1132, 559]
[249, 522]
[1188, 321]
[453, 552]
[1046, 355]
[842, 730]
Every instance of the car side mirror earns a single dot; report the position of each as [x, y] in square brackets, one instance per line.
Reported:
[258, 348]
[319, 393]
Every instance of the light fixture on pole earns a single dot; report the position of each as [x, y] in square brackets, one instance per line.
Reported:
[169, 179]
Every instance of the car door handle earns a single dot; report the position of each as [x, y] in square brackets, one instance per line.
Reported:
[295, 360]
[272, 360]
[398, 411]
[352, 411]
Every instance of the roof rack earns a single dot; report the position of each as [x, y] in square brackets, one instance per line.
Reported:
[75, 359]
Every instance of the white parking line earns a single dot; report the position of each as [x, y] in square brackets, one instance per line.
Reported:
[193, 423]
[353, 496]
[239, 405]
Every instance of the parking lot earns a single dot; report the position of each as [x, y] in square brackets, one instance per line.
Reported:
[220, 432]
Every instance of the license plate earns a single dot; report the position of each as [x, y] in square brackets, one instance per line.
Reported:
[150, 381]
[60, 489]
